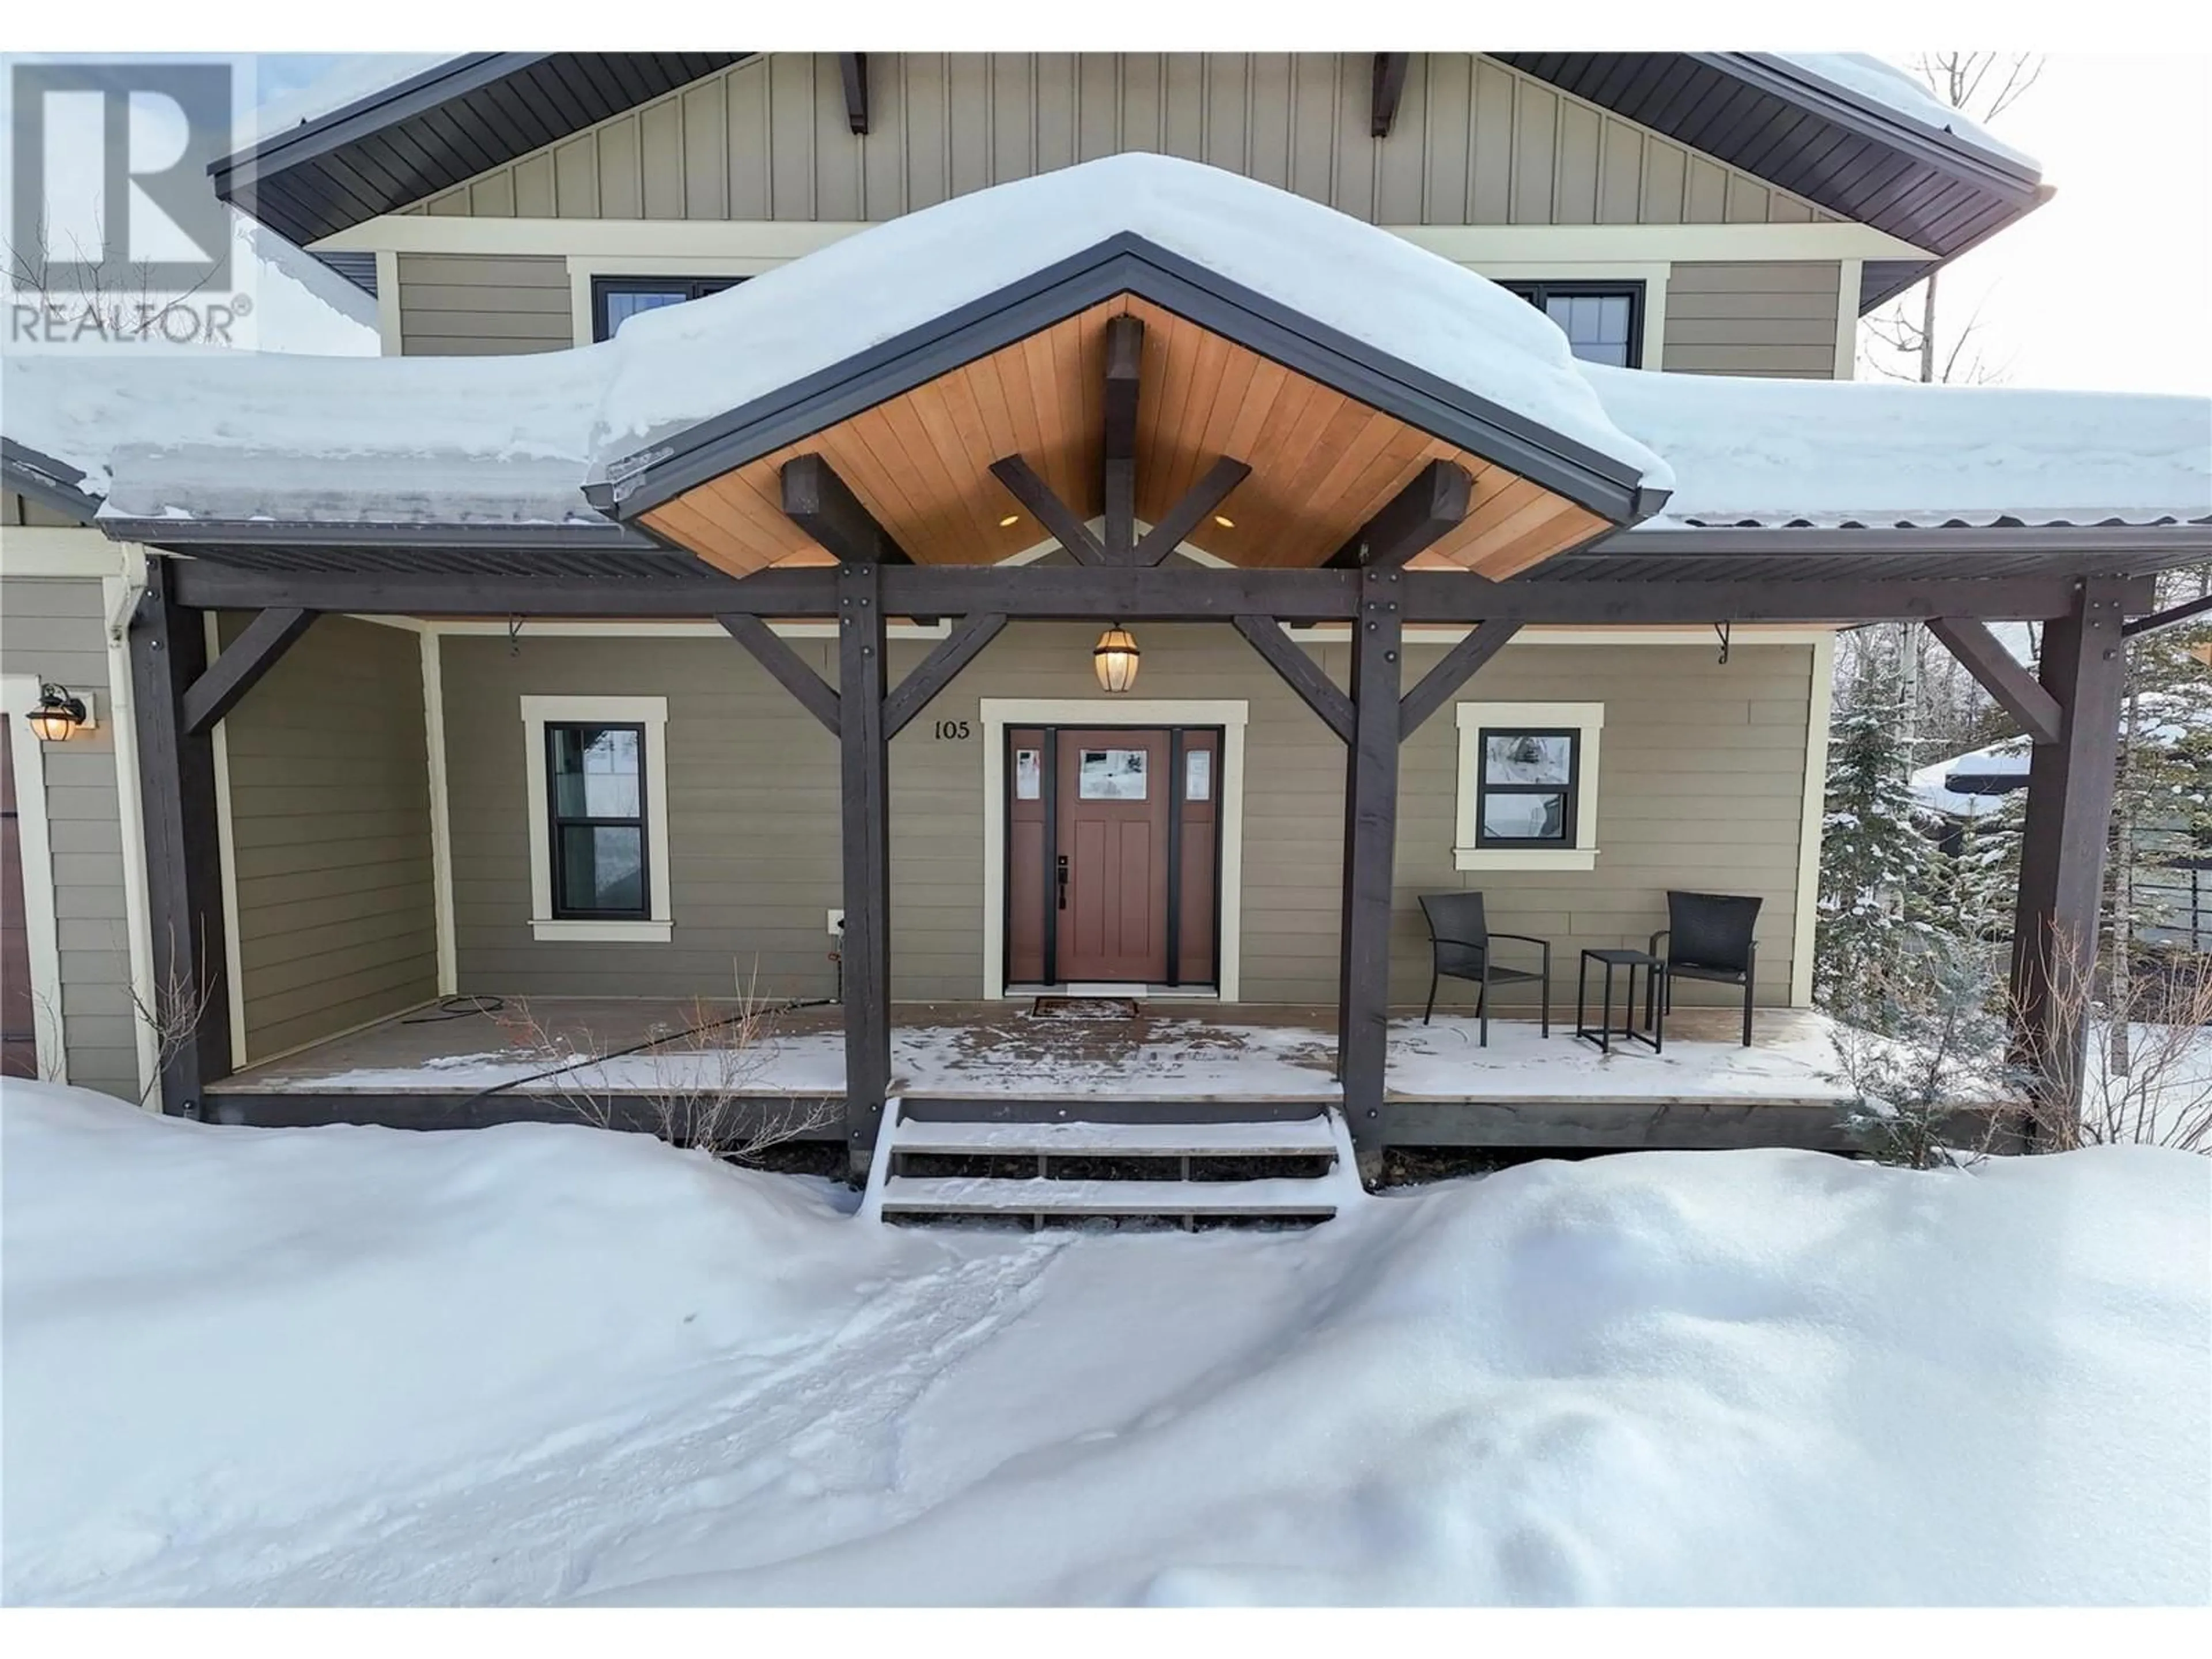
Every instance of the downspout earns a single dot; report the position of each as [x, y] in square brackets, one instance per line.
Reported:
[122, 594]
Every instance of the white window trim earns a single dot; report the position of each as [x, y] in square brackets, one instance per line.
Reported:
[1588, 719]
[28, 759]
[652, 712]
[998, 714]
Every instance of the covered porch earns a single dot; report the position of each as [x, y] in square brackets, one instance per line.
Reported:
[563, 1059]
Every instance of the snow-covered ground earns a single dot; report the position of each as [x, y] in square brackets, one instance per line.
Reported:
[540, 1364]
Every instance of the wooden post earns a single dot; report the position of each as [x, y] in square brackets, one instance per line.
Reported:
[1371, 833]
[184, 870]
[2063, 842]
[865, 797]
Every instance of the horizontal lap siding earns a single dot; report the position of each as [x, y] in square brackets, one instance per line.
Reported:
[453, 306]
[1474, 142]
[1775, 319]
[1701, 778]
[56, 630]
[330, 804]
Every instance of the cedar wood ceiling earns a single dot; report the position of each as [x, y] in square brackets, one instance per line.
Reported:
[1323, 462]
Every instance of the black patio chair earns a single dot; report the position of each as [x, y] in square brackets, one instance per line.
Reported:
[1460, 945]
[1709, 936]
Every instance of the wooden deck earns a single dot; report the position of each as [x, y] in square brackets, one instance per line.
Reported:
[541, 1059]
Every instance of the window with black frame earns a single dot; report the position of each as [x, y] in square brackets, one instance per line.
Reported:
[1525, 792]
[596, 776]
[1603, 321]
[616, 299]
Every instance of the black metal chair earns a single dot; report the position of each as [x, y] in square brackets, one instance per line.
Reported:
[1460, 945]
[1709, 936]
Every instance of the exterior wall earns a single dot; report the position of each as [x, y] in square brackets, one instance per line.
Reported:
[16, 509]
[57, 629]
[1701, 782]
[1474, 142]
[1776, 318]
[454, 305]
[329, 841]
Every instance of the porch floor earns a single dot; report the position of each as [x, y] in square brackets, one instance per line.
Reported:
[1169, 1052]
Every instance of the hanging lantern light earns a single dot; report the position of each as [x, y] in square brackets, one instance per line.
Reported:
[59, 715]
[1116, 657]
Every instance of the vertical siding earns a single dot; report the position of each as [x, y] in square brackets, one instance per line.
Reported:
[18, 509]
[1475, 143]
[452, 305]
[57, 629]
[329, 802]
[1701, 782]
[1752, 318]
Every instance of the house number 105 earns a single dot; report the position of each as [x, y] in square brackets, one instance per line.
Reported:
[952, 728]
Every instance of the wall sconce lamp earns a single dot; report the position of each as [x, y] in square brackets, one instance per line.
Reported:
[58, 716]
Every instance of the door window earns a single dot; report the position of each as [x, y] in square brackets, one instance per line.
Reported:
[1111, 774]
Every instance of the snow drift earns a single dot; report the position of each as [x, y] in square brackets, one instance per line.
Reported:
[541, 1363]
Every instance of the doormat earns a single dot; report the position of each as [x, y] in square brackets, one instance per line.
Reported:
[1084, 1008]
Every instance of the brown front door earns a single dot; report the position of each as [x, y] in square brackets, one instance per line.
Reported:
[1110, 868]
[19, 1023]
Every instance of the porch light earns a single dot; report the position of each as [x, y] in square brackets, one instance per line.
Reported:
[1115, 657]
[59, 715]
[1010, 521]
[1224, 521]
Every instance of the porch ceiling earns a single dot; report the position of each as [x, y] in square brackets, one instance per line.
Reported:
[1323, 462]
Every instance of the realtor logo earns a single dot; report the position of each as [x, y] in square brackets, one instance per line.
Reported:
[110, 176]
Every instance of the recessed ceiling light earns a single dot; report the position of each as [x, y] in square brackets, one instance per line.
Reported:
[1010, 520]
[1224, 521]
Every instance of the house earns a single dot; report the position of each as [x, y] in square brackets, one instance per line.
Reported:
[925, 529]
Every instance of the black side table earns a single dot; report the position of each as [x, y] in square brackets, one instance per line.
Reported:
[1604, 1032]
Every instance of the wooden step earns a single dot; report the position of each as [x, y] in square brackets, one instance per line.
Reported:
[983, 1195]
[1290, 1138]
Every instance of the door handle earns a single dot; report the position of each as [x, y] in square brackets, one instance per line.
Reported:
[1060, 880]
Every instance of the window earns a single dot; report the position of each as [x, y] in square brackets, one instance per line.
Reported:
[1528, 786]
[597, 770]
[1603, 321]
[616, 299]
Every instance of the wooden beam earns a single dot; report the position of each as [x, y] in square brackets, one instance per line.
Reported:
[1058, 518]
[184, 868]
[1371, 837]
[1299, 672]
[789, 669]
[1175, 524]
[240, 668]
[852, 70]
[2168, 617]
[1412, 520]
[1172, 593]
[820, 503]
[1453, 670]
[1981, 654]
[864, 796]
[2071, 785]
[1389, 88]
[937, 670]
[1125, 351]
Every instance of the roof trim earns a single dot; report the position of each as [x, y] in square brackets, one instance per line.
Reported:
[47, 481]
[1123, 263]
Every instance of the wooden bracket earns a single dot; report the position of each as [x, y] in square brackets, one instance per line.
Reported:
[788, 667]
[1299, 672]
[954, 653]
[852, 70]
[1185, 515]
[1059, 520]
[2017, 691]
[1457, 666]
[1389, 88]
[239, 669]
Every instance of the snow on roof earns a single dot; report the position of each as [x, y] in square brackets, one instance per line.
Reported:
[1903, 94]
[1825, 453]
[685, 364]
[457, 440]
[1930, 785]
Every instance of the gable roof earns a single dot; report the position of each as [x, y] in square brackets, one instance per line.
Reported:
[1847, 133]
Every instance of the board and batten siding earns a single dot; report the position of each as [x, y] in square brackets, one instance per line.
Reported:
[456, 305]
[1775, 317]
[57, 629]
[1474, 143]
[329, 831]
[1701, 786]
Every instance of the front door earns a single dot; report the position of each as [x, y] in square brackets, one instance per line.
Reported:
[1111, 867]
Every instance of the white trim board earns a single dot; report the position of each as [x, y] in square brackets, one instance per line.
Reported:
[1231, 715]
[120, 596]
[59, 551]
[226, 838]
[772, 241]
[442, 827]
[1811, 815]
[1847, 319]
[19, 693]
[652, 712]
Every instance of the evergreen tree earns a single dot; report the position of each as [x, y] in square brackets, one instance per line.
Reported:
[1876, 859]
